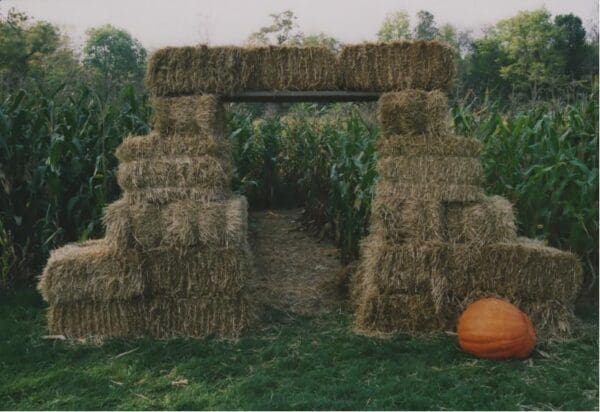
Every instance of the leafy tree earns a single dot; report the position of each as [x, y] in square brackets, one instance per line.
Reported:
[571, 44]
[426, 27]
[115, 54]
[395, 26]
[447, 33]
[482, 67]
[281, 31]
[529, 40]
[319, 39]
[23, 45]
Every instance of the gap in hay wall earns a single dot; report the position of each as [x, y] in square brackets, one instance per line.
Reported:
[319, 157]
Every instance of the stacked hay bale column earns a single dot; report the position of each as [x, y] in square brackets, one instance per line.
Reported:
[175, 258]
[437, 243]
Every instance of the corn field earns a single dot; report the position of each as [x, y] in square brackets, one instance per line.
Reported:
[57, 168]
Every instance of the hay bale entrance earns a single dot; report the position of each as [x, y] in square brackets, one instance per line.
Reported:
[295, 272]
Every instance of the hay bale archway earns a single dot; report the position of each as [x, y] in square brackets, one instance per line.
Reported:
[175, 259]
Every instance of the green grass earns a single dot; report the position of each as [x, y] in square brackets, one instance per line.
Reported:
[297, 364]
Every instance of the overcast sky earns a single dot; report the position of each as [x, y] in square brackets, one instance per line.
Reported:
[179, 22]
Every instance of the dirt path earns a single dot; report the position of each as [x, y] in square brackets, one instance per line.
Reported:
[295, 272]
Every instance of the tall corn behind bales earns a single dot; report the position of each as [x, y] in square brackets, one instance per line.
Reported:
[57, 169]
[543, 159]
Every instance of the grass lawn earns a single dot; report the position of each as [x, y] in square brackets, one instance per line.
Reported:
[291, 364]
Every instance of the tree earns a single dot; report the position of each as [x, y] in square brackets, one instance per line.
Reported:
[24, 45]
[447, 34]
[529, 40]
[426, 27]
[281, 31]
[395, 26]
[319, 39]
[115, 54]
[571, 44]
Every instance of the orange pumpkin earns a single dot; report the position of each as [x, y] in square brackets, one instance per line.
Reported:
[495, 329]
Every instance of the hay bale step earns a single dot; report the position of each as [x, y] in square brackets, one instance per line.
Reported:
[389, 191]
[154, 146]
[381, 315]
[90, 271]
[166, 195]
[413, 112]
[177, 225]
[422, 64]
[223, 317]
[406, 268]
[188, 115]
[203, 172]
[401, 221]
[440, 170]
[427, 145]
[518, 270]
[490, 220]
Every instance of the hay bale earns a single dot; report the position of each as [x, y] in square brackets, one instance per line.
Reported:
[388, 191]
[221, 316]
[278, 68]
[413, 112]
[521, 271]
[401, 220]
[156, 146]
[203, 172]
[427, 145]
[188, 115]
[381, 315]
[177, 225]
[90, 271]
[197, 70]
[403, 268]
[227, 70]
[422, 64]
[431, 170]
[490, 220]
[165, 195]
[198, 272]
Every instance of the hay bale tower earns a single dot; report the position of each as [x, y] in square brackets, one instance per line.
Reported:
[175, 259]
[437, 242]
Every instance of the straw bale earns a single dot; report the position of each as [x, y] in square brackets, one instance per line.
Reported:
[413, 112]
[197, 271]
[426, 145]
[203, 172]
[198, 70]
[164, 195]
[389, 191]
[421, 64]
[90, 271]
[180, 224]
[188, 115]
[401, 220]
[154, 145]
[431, 169]
[227, 70]
[279, 68]
[224, 317]
[381, 315]
[520, 270]
[488, 221]
[407, 268]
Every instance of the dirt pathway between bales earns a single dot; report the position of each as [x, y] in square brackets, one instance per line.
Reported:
[295, 272]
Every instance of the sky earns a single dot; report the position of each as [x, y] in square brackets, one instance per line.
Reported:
[159, 23]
